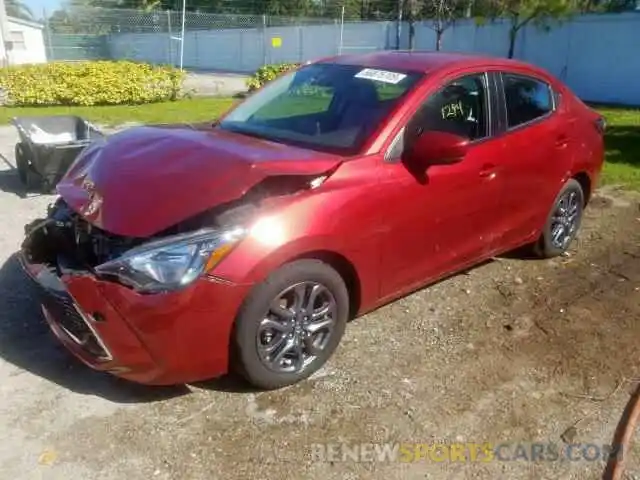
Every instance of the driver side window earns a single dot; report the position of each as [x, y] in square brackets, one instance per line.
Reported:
[460, 108]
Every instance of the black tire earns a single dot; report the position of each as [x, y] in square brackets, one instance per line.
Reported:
[46, 187]
[22, 163]
[245, 356]
[546, 247]
[27, 174]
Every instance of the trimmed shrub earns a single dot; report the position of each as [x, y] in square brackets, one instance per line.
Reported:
[266, 73]
[89, 83]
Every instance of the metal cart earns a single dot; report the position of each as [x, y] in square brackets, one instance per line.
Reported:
[48, 146]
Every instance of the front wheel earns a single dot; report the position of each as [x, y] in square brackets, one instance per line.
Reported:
[291, 324]
[563, 221]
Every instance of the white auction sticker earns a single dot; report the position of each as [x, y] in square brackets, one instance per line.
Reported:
[381, 75]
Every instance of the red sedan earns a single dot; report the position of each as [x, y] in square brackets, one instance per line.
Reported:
[176, 253]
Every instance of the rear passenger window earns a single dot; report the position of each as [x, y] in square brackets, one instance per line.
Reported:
[526, 99]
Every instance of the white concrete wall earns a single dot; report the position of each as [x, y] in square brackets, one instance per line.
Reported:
[598, 56]
[33, 50]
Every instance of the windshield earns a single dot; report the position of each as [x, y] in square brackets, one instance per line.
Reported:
[323, 106]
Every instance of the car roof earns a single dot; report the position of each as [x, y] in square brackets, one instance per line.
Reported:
[426, 62]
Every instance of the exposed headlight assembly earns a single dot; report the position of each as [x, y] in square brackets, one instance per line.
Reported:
[173, 262]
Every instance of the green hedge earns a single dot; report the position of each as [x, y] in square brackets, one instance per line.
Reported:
[89, 83]
[266, 73]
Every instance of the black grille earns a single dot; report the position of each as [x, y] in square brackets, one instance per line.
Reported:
[61, 306]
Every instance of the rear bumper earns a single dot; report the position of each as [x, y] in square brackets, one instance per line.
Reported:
[162, 339]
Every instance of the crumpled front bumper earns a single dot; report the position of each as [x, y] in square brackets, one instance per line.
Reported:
[160, 339]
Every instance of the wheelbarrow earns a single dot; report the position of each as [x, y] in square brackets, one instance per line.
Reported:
[48, 146]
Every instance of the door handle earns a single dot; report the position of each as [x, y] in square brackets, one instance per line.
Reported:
[488, 170]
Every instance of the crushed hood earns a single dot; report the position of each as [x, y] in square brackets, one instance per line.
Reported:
[146, 179]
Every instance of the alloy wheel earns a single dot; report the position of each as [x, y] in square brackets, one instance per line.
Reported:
[297, 327]
[565, 219]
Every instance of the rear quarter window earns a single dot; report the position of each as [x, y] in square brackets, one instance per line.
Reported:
[527, 99]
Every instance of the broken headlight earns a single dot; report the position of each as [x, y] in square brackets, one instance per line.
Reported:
[172, 262]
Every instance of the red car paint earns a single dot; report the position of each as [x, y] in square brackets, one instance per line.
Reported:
[385, 231]
[180, 160]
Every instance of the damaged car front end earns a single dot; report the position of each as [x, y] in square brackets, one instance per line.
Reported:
[144, 303]
[133, 307]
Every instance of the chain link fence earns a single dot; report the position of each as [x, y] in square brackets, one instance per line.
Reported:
[207, 41]
[242, 41]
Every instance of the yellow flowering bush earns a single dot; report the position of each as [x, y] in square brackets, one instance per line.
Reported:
[89, 83]
[266, 73]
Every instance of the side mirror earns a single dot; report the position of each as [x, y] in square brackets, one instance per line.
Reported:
[438, 148]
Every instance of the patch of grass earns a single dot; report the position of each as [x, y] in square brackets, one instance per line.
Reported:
[189, 110]
[288, 106]
[622, 140]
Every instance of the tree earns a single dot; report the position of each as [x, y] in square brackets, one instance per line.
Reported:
[521, 13]
[18, 9]
[443, 14]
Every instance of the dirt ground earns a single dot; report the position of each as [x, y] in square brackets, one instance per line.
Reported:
[516, 350]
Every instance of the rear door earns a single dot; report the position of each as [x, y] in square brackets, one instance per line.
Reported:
[536, 142]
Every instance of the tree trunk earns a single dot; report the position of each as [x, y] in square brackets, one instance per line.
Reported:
[513, 32]
[468, 9]
[412, 34]
[439, 31]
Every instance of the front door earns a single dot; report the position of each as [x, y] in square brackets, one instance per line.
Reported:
[443, 218]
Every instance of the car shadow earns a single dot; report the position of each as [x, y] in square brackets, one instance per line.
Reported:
[26, 342]
[231, 383]
[525, 252]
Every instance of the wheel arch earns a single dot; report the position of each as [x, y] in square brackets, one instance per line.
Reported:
[584, 180]
[345, 268]
[358, 267]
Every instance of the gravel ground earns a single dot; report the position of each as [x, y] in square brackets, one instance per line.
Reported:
[509, 352]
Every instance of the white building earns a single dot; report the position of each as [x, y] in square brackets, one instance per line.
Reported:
[24, 42]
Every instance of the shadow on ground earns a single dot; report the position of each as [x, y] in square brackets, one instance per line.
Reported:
[9, 179]
[231, 383]
[10, 183]
[26, 342]
[623, 144]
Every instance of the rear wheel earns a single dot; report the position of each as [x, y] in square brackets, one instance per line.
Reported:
[563, 221]
[291, 324]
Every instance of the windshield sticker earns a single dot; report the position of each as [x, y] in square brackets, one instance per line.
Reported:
[381, 75]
